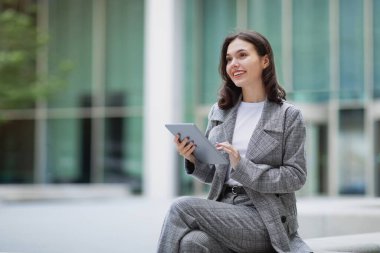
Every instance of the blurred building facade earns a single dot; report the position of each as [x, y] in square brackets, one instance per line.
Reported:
[139, 64]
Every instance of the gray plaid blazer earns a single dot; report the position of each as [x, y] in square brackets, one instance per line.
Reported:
[273, 169]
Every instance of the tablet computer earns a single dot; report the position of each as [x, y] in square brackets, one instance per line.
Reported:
[205, 152]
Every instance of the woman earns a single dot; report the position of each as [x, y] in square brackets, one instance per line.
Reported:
[251, 206]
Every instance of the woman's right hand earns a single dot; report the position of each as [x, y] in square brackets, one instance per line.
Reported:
[185, 148]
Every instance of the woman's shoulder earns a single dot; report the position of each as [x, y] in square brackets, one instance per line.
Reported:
[216, 112]
[287, 107]
[292, 112]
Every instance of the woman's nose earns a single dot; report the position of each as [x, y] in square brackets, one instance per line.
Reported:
[234, 63]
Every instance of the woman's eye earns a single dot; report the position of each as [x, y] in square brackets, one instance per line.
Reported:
[228, 59]
[242, 55]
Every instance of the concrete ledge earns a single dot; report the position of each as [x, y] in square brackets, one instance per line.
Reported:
[327, 216]
[360, 243]
[33, 192]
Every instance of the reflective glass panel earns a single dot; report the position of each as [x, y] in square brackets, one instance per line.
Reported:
[218, 20]
[69, 149]
[311, 67]
[352, 152]
[70, 40]
[376, 47]
[264, 16]
[124, 52]
[377, 158]
[351, 50]
[17, 151]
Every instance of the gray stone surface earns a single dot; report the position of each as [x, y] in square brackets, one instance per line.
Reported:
[102, 219]
[37, 192]
[360, 243]
[321, 217]
[108, 225]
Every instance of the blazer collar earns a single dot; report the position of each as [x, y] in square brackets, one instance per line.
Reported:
[228, 117]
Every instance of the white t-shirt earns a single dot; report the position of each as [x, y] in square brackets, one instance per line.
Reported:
[248, 115]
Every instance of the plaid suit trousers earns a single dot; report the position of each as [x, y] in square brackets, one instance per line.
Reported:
[229, 225]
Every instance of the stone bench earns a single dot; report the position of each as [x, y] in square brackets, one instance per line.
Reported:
[359, 243]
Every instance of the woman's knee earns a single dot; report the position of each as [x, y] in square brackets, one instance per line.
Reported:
[195, 240]
[182, 204]
[200, 242]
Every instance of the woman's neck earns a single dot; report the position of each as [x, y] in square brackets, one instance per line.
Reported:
[253, 94]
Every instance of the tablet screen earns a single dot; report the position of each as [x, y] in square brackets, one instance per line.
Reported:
[205, 152]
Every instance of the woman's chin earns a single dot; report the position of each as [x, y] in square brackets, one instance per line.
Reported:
[239, 84]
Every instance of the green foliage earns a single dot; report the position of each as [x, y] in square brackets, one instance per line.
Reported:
[20, 42]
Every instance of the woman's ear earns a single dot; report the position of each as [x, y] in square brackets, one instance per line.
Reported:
[265, 61]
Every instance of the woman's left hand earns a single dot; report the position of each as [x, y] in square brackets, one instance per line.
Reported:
[231, 151]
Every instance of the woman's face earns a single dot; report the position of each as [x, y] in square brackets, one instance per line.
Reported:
[244, 65]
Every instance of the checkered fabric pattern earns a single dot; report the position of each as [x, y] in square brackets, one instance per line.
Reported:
[229, 225]
[273, 169]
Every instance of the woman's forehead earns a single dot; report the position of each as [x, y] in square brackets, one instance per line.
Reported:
[237, 45]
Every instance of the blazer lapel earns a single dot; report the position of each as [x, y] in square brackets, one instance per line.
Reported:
[263, 139]
[226, 126]
[229, 123]
[223, 132]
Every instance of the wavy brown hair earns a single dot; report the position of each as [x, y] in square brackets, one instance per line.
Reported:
[229, 92]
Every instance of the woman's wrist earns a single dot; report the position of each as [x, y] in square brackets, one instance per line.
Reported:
[191, 159]
[236, 163]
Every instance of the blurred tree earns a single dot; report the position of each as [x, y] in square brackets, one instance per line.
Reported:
[20, 40]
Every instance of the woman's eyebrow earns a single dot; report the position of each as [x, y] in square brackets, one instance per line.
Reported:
[237, 51]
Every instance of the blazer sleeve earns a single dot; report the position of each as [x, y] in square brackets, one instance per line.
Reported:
[203, 172]
[290, 176]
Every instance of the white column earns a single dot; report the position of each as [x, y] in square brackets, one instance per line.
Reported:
[162, 95]
[287, 49]
[98, 90]
[369, 122]
[333, 115]
[40, 151]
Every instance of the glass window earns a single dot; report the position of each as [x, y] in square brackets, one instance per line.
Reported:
[311, 50]
[218, 20]
[351, 49]
[123, 151]
[376, 47]
[191, 51]
[17, 151]
[69, 150]
[70, 39]
[377, 158]
[124, 52]
[133, 149]
[265, 18]
[207, 23]
[316, 151]
[114, 150]
[352, 152]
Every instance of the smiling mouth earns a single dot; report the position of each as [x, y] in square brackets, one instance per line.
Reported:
[237, 74]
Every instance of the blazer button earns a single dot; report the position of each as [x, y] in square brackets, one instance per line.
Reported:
[283, 219]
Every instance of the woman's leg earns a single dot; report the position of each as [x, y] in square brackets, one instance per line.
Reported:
[198, 241]
[238, 227]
